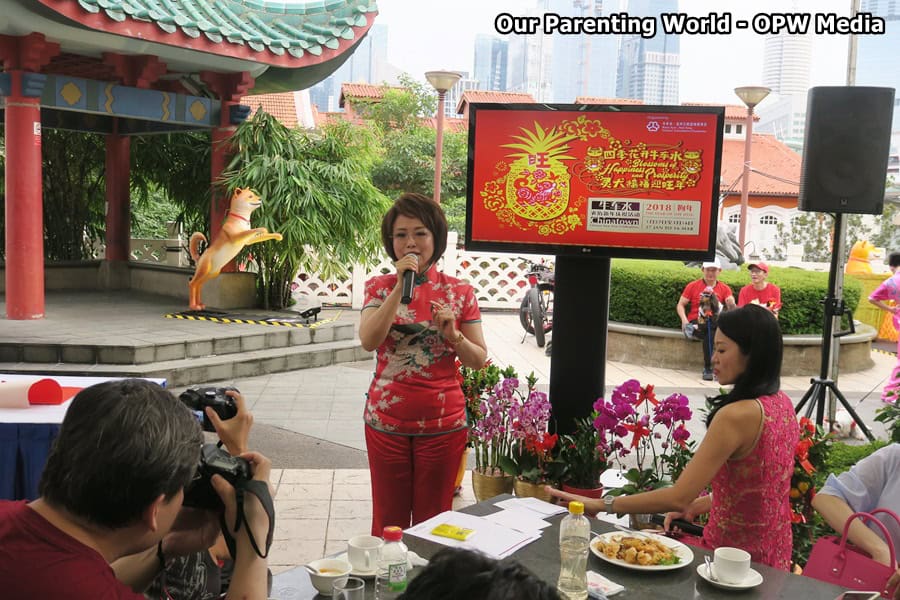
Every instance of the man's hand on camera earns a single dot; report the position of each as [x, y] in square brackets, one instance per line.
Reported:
[234, 432]
[253, 510]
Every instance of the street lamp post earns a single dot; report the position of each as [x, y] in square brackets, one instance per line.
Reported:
[751, 96]
[440, 81]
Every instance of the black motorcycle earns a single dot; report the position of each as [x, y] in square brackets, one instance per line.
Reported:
[537, 305]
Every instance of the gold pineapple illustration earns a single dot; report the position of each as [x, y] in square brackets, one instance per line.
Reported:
[537, 187]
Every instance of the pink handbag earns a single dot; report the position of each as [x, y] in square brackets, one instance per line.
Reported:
[835, 561]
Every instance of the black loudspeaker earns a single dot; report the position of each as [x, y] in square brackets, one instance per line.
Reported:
[845, 149]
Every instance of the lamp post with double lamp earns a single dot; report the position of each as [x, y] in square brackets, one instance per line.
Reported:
[751, 96]
[441, 81]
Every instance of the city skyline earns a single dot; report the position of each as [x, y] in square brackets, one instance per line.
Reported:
[736, 58]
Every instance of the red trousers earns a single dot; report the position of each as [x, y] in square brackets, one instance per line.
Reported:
[412, 476]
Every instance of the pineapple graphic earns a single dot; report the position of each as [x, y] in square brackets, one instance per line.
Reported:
[537, 186]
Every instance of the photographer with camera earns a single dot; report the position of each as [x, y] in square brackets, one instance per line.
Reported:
[206, 574]
[110, 514]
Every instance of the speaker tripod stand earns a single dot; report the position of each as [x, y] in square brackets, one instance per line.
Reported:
[834, 307]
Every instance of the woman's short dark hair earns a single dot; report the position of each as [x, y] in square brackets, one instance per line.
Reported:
[894, 259]
[455, 573]
[418, 207]
[757, 334]
[121, 445]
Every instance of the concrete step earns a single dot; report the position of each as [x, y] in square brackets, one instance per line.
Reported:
[223, 341]
[203, 369]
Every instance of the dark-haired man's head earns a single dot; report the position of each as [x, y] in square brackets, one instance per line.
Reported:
[122, 445]
[454, 573]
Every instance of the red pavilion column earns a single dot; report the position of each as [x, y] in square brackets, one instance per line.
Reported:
[22, 57]
[229, 88]
[118, 205]
[139, 71]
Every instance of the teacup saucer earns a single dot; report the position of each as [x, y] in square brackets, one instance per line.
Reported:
[353, 570]
[752, 579]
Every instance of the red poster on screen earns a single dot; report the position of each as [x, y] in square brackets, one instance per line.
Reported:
[625, 180]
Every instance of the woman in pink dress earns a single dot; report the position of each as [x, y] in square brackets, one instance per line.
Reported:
[747, 454]
[890, 290]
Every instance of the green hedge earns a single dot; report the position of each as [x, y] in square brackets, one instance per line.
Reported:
[645, 292]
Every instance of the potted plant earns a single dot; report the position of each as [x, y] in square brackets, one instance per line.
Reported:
[583, 461]
[629, 424]
[489, 436]
[531, 458]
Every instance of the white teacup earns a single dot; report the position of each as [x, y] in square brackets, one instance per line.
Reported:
[731, 565]
[362, 552]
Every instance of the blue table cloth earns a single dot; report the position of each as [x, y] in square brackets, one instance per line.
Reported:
[23, 451]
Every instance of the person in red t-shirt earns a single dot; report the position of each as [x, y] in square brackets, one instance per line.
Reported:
[110, 512]
[703, 326]
[760, 291]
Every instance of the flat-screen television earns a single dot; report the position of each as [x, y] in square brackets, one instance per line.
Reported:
[629, 181]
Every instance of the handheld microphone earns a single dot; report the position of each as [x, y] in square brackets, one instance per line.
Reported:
[409, 282]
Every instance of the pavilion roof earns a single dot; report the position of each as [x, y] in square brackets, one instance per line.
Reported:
[287, 37]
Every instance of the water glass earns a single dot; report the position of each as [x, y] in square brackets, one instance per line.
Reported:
[352, 589]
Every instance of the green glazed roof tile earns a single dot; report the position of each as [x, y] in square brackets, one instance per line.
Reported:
[272, 26]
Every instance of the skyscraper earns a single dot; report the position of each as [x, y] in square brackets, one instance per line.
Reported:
[367, 64]
[878, 57]
[583, 65]
[648, 68]
[490, 62]
[786, 69]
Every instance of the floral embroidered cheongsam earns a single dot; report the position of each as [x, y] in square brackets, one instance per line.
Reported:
[751, 496]
[415, 390]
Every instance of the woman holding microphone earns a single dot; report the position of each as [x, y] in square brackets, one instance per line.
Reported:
[415, 410]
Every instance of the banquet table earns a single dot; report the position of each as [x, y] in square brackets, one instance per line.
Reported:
[542, 557]
[27, 434]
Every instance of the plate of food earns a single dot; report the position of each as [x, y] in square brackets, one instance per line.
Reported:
[644, 551]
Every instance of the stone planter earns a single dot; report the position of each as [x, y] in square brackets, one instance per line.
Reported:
[525, 489]
[596, 492]
[488, 486]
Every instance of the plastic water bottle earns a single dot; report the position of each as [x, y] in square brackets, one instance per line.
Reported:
[390, 578]
[574, 537]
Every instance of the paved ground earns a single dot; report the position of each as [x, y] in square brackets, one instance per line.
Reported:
[310, 423]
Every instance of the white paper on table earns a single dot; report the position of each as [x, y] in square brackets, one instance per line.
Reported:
[520, 519]
[598, 584]
[490, 538]
[544, 509]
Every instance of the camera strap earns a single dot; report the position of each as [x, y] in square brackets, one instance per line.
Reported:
[260, 489]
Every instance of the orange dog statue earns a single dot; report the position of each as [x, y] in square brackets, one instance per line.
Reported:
[860, 255]
[234, 235]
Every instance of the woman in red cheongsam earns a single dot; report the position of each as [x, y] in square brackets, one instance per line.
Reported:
[415, 411]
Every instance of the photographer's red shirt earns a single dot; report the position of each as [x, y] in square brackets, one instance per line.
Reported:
[693, 290]
[37, 560]
[415, 390]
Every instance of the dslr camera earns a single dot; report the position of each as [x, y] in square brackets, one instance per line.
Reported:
[214, 461]
[198, 398]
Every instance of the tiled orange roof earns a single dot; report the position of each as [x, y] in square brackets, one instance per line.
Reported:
[281, 106]
[596, 100]
[454, 124]
[470, 96]
[733, 112]
[769, 159]
[364, 91]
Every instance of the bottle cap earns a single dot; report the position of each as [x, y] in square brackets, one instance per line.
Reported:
[392, 533]
[576, 508]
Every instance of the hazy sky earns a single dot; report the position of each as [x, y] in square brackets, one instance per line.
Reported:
[425, 35]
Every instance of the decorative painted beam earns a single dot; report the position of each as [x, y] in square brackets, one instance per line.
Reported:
[99, 97]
